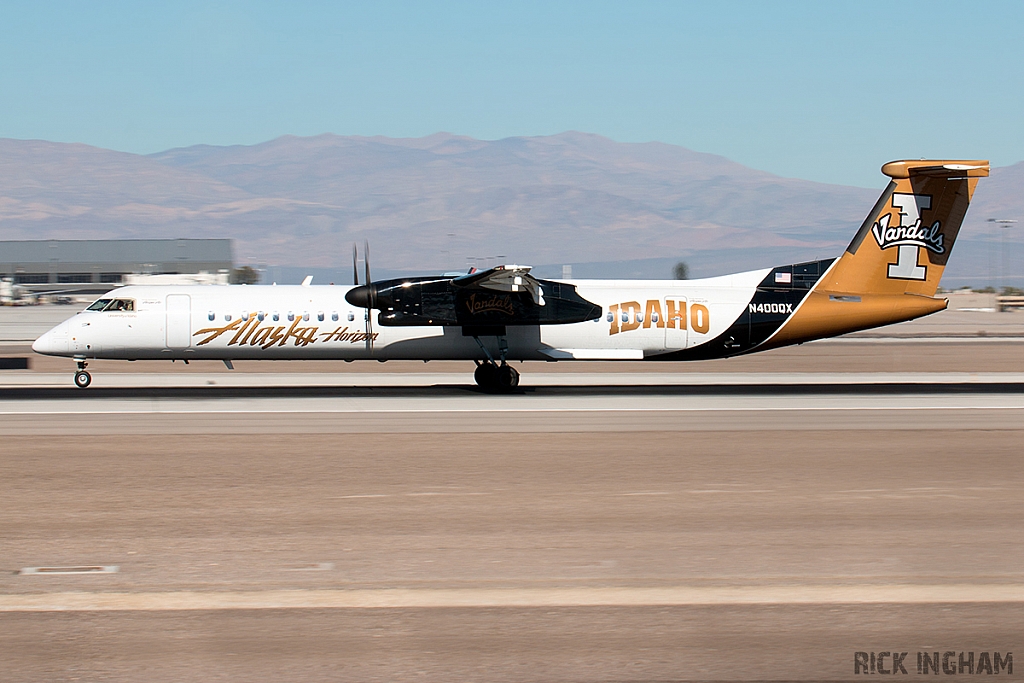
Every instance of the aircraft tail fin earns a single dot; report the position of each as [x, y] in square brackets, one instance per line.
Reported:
[904, 243]
[891, 270]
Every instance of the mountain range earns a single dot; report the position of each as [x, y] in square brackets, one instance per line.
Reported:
[444, 202]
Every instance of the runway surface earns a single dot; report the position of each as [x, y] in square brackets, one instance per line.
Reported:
[610, 527]
[429, 403]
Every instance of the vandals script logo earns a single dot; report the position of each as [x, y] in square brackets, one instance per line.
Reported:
[494, 304]
[910, 236]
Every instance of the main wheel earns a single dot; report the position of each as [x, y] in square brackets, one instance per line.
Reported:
[83, 379]
[486, 375]
[508, 377]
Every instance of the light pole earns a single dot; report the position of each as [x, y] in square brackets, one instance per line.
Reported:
[1005, 224]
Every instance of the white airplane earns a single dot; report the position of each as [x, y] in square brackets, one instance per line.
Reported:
[888, 274]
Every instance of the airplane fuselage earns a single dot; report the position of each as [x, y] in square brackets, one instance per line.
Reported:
[642, 319]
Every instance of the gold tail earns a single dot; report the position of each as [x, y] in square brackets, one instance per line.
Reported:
[891, 270]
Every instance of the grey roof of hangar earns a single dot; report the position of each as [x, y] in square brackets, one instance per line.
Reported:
[116, 252]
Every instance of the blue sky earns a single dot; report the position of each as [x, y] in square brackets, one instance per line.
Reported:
[821, 90]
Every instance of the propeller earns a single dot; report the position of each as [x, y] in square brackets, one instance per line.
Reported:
[364, 295]
[371, 299]
[366, 265]
[355, 265]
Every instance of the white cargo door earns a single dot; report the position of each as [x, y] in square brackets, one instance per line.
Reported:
[675, 322]
[179, 321]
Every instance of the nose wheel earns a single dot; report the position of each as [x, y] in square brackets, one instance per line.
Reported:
[82, 378]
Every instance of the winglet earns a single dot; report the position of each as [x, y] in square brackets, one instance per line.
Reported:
[307, 281]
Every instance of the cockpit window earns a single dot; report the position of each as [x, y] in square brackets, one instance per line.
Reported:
[121, 305]
[99, 305]
[112, 305]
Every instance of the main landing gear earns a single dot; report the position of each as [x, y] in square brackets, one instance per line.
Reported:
[82, 378]
[493, 375]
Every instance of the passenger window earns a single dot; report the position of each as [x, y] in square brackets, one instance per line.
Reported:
[351, 316]
[260, 316]
[334, 316]
[211, 315]
[639, 317]
[227, 317]
[305, 315]
[625, 316]
[654, 316]
[245, 316]
[611, 317]
[291, 316]
[320, 316]
[98, 305]
[276, 316]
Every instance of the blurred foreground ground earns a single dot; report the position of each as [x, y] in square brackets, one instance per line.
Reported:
[830, 509]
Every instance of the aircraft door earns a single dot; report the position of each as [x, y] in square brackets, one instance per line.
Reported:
[675, 322]
[179, 321]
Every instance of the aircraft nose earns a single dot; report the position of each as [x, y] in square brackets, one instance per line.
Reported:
[42, 344]
[53, 342]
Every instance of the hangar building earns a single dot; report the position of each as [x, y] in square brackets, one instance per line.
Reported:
[94, 266]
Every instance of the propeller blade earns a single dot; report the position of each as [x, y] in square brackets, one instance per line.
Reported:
[355, 264]
[370, 295]
[366, 260]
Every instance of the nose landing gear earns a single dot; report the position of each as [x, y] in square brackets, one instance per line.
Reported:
[82, 378]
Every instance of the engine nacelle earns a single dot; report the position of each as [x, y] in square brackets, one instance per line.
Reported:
[438, 301]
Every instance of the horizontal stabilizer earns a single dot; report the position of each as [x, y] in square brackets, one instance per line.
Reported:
[923, 167]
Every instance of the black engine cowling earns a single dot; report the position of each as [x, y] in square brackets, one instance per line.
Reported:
[437, 301]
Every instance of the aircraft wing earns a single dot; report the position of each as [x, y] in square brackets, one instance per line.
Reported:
[510, 278]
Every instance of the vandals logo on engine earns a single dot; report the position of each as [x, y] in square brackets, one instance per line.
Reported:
[493, 304]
